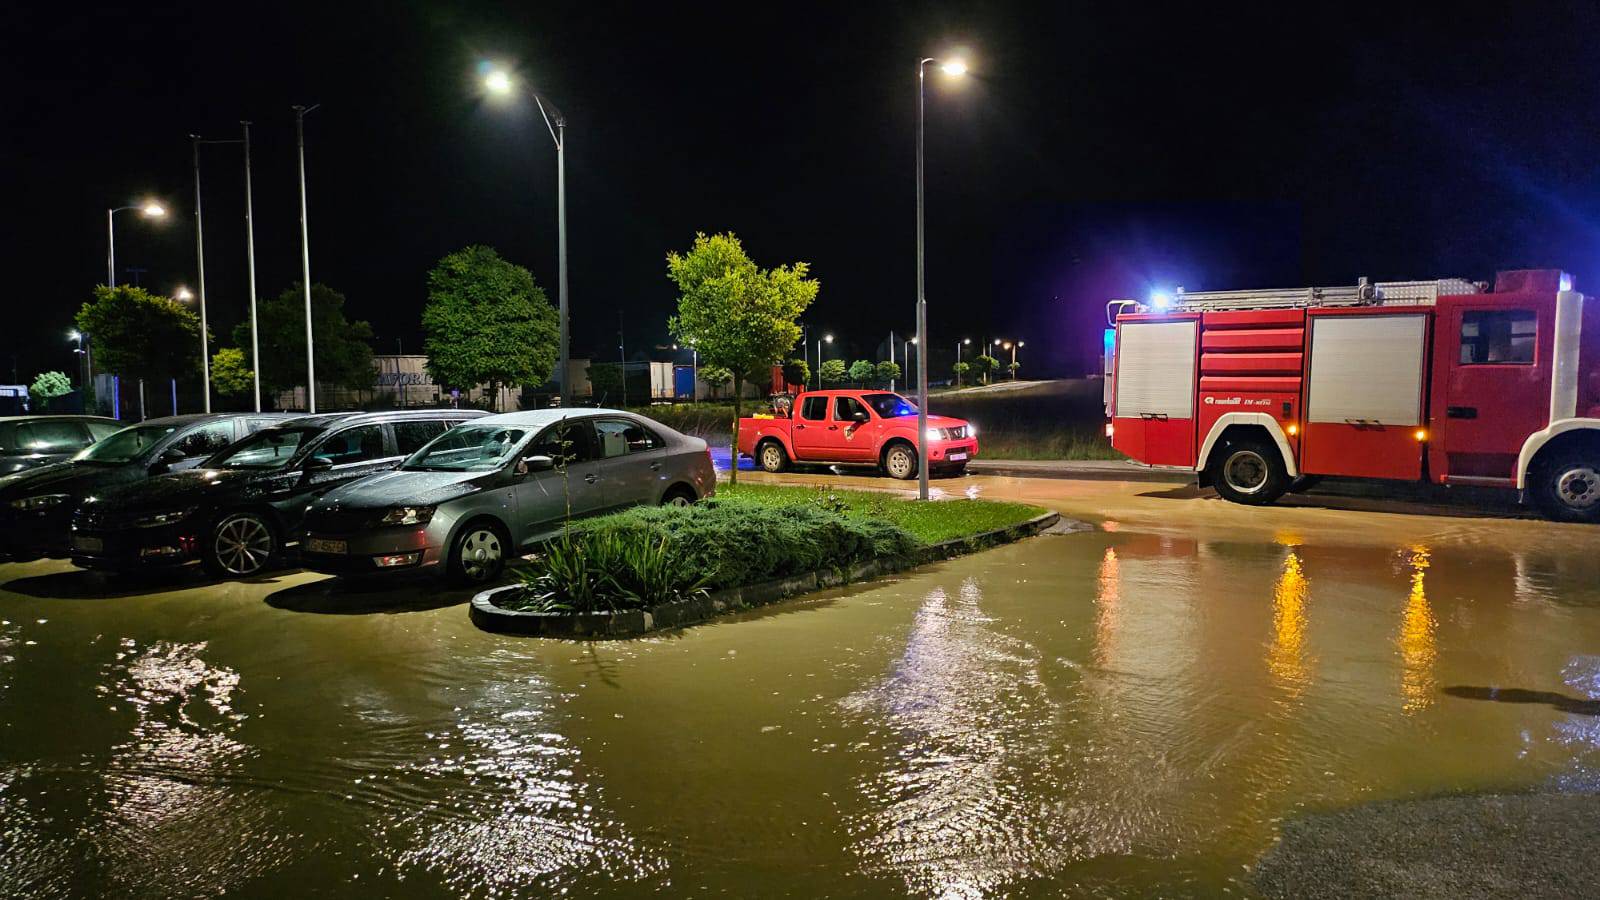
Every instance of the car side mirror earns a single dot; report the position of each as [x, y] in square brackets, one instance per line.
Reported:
[317, 464]
[168, 458]
[529, 464]
[861, 417]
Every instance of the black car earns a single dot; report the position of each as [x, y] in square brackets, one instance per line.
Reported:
[36, 505]
[30, 441]
[236, 511]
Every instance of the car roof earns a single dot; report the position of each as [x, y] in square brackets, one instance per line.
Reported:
[538, 418]
[323, 420]
[75, 417]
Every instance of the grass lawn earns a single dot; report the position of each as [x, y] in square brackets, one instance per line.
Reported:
[930, 523]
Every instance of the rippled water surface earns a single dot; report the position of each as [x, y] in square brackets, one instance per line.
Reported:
[1108, 713]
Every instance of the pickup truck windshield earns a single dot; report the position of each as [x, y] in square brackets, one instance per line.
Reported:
[890, 406]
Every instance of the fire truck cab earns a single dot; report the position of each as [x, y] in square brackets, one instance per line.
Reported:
[1260, 392]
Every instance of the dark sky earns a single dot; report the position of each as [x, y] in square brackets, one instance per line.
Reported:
[1098, 150]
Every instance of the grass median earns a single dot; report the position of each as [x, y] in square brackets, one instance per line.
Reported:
[745, 535]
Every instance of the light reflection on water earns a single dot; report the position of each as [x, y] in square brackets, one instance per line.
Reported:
[1286, 659]
[1418, 649]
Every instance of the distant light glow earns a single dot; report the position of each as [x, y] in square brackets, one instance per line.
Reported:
[1160, 299]
[182, 293]
[74, 336]
[828, 338]
[498, 81]
[153, 210]
[954, 67]
[1566, 282]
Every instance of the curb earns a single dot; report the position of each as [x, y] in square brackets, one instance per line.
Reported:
[1131, 473]
[636, 622]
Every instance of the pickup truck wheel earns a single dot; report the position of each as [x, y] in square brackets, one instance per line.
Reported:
[1567, 487]
[771, 456]
[1249, 472]
[900, 461]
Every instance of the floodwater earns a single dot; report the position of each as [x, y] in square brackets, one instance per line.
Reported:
[1128, 711]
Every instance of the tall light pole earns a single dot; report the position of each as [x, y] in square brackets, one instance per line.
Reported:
[499, 82]
[1013, 347]
[959, 344]
[250, 257]
[891, 358]
[825, 338]
[952, 68]
[149, 209]
[200, 263]
[305, 254]
[905, 348]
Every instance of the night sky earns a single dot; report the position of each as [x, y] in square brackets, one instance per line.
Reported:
[1096, 151]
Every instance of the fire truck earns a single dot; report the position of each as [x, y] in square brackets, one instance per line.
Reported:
[1262, 392]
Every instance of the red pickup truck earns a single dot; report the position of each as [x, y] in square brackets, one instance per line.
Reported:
[862, 428]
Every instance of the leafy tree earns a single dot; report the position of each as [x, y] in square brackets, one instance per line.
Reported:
[48, 386]
[343, 351]
[887, 371]
[862, 370]
[1012, 368]
[834, 371]
[230, 375]
[716, 377]
[960, 369]
[739, 316]
[605, 380]
[138, 334]
[985, 364]
[797, 371]
[487, 322]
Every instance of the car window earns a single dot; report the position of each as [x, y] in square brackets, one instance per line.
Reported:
[8, 436]
[619, 438]
[51, 437]
[1498, 337]
[845, 409]
[362, 443]
[469, 448]
[253, 425]
[205, 440]
[409, 437]
[890, 406]
[101, 430]
[815, 409]
[269, 448]
[565, 442]
[126, 445]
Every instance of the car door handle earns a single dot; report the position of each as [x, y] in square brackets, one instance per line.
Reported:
[591, 478]
[833, 428]
[1462, 412]
[799, 428]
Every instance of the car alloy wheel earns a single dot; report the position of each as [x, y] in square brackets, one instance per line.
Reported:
[481, 554]
[1246, 471]
[1579, 488]
[242, 544]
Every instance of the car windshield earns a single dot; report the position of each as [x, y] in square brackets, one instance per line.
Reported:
[268, 449]
[467, 448]
[890, 406]
[126, 445]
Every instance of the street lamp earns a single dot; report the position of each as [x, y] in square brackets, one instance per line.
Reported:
[498, 82]
[1013, 347]
[149, 209]
[305, 255]
[953, 68]
[828, 338]
[77, 350]
[959, 345]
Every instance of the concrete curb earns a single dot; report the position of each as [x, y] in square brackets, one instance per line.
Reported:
[635, 622]
[1067, 469]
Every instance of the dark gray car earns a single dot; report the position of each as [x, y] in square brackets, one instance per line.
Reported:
[30, 441]
[489, 489]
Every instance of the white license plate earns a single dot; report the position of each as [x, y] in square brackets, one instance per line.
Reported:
[323, 545]
[87, 544]
[958, 457]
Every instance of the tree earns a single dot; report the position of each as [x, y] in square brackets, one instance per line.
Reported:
[716, 377]
[229, 373]
[138, 334]
[605, 380]
[862, 370]
[487, 322]
[1012, 368]
[960, 369]
[737, 315]
[887, 371]
[343, 351]
[834, 371]
[984, 364]
[48, 386]
[797, 371]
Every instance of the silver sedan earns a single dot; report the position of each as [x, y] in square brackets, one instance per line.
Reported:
[490, 489]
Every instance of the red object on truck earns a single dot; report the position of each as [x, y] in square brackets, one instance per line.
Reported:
[1445, 381]
[867, 428]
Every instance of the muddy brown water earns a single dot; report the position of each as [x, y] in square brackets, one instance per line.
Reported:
[1130, 711]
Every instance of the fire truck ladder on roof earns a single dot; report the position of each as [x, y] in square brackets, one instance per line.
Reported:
[1365, 293]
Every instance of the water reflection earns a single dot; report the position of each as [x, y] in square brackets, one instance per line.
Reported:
[1417, 641]
[1286, 658]
[1108, 608]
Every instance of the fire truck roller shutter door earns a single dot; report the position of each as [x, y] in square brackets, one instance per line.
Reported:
[1364, 396]
[1154, 415]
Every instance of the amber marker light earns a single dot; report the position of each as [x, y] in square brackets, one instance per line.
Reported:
[1293, 429]
[1421, 434]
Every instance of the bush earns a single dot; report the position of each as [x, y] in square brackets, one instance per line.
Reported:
[603, 571]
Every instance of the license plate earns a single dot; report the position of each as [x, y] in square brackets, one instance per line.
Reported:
[87, 544]
[323, 545]
[958, 457]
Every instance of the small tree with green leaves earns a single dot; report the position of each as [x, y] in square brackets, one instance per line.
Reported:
[960, 369]
[887, 371]
[985, 365]
[862, 370]
[834, 371]
[138, 334]
[1012, 368]
[797, 371]
[343, 347]
[716, 377]
[230, 374]
[48, 386]
[487, 322]
[605, 381]
[736, 314]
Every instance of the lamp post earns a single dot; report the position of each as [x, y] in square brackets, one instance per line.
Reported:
[250, 257]
[499, 82]
[952, 68]
[828, 338]
[149, 209]
[77, 350]
[959, 345]
[1013, 347]
[305, 254]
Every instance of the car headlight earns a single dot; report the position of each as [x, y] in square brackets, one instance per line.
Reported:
[40, 501]
[407, 515]
[972, 430]
[934, 434]
[156, 520]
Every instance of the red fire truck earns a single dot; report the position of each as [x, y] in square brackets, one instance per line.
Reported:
[1260, 392]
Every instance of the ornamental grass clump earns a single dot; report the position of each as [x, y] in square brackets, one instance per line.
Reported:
[598, 571]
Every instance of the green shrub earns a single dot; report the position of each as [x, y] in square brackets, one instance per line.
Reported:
[603, 571]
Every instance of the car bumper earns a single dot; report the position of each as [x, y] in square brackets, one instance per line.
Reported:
[135, 548]
[384, 551]
[30, 535]
[953, 453]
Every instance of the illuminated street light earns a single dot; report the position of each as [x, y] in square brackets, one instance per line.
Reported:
[182, 295]
[498, 82]
[153, 210]
[150, 209]
[825, 338]
[959, 344]
[953, 67]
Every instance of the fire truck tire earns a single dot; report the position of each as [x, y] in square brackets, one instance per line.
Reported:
[1566, 487]
[771, 457]
[1249, 471]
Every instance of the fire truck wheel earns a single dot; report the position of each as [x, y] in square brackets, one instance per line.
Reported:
[1567, 487]
[1249, 472]
[771, 456]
